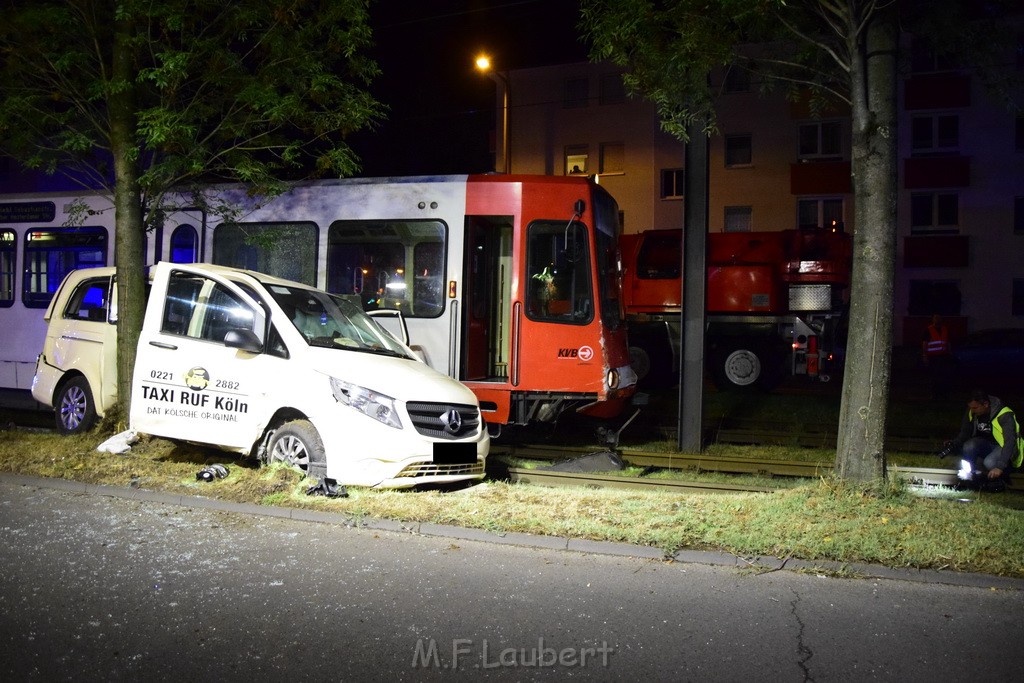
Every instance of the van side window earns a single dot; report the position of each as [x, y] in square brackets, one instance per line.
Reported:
[275, 345]
[89, 301]
[203, 309]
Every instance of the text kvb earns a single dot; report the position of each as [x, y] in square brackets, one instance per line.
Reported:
[568, 353]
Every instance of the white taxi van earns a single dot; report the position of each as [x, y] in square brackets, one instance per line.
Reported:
[264, 367]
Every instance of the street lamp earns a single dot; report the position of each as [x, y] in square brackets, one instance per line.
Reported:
[483, 63]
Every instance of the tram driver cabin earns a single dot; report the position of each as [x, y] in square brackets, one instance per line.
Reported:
[507, 283]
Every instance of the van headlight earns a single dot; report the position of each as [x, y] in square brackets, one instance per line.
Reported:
[366, 401]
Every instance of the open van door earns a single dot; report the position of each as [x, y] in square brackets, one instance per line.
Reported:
[201, 373]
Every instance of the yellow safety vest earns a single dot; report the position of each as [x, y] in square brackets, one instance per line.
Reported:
[997, 434]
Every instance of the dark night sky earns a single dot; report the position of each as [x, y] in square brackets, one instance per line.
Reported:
[442, 109]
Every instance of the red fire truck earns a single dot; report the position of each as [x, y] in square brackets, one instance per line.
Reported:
[776, 304]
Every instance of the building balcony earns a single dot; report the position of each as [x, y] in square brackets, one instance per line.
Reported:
[937, 91]
[819, 177]
[935, 251]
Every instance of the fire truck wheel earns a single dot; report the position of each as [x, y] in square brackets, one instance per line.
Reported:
[640, 361]
[652, 363]
[744, 366]
[73, 406]
[297, 443]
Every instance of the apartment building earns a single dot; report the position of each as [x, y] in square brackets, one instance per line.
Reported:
[773, 166]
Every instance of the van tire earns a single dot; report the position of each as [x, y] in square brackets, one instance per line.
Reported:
[297, 443]
[73, 408]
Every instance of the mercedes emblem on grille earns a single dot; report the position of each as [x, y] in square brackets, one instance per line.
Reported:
[452, 421]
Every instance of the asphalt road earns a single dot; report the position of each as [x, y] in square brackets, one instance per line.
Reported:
[95, 587]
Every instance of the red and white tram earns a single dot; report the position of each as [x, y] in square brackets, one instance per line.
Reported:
[508, 283]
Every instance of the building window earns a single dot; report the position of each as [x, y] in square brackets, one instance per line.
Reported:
[1018, 215]
[822, 139]
[672, 180]
[933, 212]
[577, 91]
[928, 297]
[613, 157]
[1018, 296]
[923, 59]
[613, 91]
[737, 150]
[738, 218]
[825, 212]
[576, 160]
[935, 133]
[737, 79]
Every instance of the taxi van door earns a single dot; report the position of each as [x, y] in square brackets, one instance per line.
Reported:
[201, 373]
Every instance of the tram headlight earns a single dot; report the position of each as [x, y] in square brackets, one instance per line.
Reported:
[612, 378]
[366, 401]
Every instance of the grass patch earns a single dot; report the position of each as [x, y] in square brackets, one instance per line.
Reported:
[814, 520]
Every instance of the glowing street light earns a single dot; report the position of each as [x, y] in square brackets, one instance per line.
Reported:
[483, 64]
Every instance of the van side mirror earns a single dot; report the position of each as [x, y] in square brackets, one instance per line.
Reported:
[246, 340]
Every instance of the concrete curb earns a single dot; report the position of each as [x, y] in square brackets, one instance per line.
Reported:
[758, 564]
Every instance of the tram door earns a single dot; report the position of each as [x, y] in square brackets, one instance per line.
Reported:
[487, 299]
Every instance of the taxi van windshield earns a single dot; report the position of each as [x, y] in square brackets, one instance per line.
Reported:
[334, 322]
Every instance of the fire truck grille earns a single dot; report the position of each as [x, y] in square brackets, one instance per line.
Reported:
[444, 420]
[426, 469]
[810, 297]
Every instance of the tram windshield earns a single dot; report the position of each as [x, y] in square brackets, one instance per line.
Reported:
[558, 263]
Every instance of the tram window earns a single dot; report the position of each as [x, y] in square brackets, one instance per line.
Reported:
[607, 225]
[558, 266]
[7, 253]
[89, 301]
[52, 253]
[284, 250]
[184, 245]
[389, 264]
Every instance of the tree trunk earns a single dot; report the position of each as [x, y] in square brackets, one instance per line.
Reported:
[129, 236]
[860, 455]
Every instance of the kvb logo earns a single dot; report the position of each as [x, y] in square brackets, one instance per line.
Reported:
[584, 353]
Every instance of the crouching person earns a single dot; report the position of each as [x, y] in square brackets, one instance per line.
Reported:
[989, 444]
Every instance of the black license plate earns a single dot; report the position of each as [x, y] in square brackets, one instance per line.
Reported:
[454, 453]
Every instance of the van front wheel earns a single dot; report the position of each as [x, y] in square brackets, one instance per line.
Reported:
[74, 410]
[297, 443]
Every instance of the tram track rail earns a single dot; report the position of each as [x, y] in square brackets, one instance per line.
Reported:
[788, 469]
[805, 435]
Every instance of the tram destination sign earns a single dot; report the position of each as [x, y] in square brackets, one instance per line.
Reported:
[27, 212]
